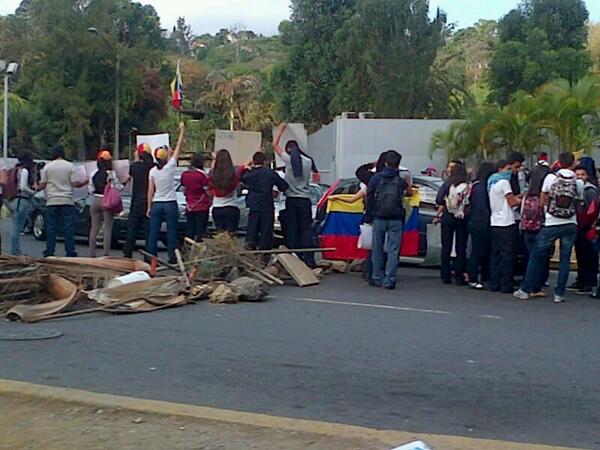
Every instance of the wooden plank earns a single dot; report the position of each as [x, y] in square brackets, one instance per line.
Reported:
[299, 271]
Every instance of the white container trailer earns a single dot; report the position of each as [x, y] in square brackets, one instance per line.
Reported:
[340, 147]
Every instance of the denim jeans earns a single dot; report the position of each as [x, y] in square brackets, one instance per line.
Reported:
[168, 212]
[54, 215]
[392, 229]
[20, 208]
[535, 268]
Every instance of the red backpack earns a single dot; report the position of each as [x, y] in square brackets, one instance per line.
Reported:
[532, 213]
[10, 185]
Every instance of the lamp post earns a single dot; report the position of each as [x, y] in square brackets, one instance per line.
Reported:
[11, 70]
[114, 49]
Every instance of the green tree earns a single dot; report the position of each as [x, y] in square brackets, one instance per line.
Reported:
[305, 84]
[539, 41]
[594, 44]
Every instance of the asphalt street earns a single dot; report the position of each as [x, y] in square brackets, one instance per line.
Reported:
[424, 358]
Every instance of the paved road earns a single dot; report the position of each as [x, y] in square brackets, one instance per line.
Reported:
[425, 358]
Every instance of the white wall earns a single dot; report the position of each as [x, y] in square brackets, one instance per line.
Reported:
[363, 140]
[321, 147]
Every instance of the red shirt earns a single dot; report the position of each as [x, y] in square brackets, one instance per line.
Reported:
[195, 183]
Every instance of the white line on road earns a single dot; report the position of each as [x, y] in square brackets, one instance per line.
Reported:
[364, 305]
[491, 317]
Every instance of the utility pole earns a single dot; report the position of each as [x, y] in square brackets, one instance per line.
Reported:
[5, 134]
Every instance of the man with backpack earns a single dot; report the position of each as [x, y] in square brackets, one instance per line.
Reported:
[559, 196]
[385, 211]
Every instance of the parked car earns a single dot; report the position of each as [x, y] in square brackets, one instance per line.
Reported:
[428, 188]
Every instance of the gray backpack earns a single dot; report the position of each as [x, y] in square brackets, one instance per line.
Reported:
[562, 197]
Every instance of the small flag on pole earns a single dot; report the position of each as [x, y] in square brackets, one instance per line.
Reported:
[177, 89]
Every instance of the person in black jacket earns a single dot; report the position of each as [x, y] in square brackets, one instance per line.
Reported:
[260, 182]
[479, 227]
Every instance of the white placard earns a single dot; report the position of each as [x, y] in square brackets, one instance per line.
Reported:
[241, 144]
[153, 140]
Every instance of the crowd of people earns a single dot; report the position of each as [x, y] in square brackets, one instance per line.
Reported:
[154, 184]
[511, 216]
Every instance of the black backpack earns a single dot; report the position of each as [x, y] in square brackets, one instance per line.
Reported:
[388, 198]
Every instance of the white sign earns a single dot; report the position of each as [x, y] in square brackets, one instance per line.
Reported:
[153, 140]
[240, 144]
[293, 132]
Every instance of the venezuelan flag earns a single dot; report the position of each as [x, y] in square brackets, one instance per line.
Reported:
[342, 228]
[410, 237]
[177, 89]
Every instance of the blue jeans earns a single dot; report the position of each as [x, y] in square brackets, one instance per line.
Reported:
[20, 208]
[392, 228]
[159, 212]
[54, 215]
[534, 278]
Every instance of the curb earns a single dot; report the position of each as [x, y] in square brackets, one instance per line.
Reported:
[387, 437]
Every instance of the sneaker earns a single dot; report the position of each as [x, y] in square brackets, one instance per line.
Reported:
[584, 291]
[596, 294]
[477, 286]
[558, 298]
[374, 284]
[521, 295]
[538, 294]
[573, 287]
[390, 287]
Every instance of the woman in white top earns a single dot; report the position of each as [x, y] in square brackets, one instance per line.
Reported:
[162, 197]
[21, 205]
[103, 176]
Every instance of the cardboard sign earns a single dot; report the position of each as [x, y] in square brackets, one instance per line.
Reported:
[293, 132]
[241, 144]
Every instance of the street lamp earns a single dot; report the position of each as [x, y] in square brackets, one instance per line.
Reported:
[9, 71]
[113, 48]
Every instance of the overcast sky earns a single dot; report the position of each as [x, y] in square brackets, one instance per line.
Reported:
[264, 16]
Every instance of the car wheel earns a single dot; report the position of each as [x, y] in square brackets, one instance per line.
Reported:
[39, 226]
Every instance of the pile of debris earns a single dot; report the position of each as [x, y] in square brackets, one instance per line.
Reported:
[33, 290]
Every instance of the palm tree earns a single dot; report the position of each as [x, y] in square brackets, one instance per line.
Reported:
[518, 125]
[236, 96]
[571, 112]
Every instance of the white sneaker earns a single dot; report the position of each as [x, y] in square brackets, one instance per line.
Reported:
[558, 299]
[521, 295]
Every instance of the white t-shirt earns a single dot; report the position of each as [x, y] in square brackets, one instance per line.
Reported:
[229, 200]
[502, 214]
[164, 182]
[552, 221]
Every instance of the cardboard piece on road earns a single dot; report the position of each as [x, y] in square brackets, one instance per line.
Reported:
[299, 271]
[241, 144]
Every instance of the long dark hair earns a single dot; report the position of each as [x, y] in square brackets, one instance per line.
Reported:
[485, 171]
[536, 180]
[458, 175]
[380, 164]
[223, 174]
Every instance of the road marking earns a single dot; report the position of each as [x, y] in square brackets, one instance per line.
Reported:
[391, 438]
[491, 317]
[363, 305]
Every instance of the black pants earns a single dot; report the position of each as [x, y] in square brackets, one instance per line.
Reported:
[298, 219]
[260, 229]
[481, 248]
[226, 218]
[503, 258]
[196, 222]
[137, 220]
[587, 262]
[451, 227]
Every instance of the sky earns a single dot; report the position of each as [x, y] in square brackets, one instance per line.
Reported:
[264, 16]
